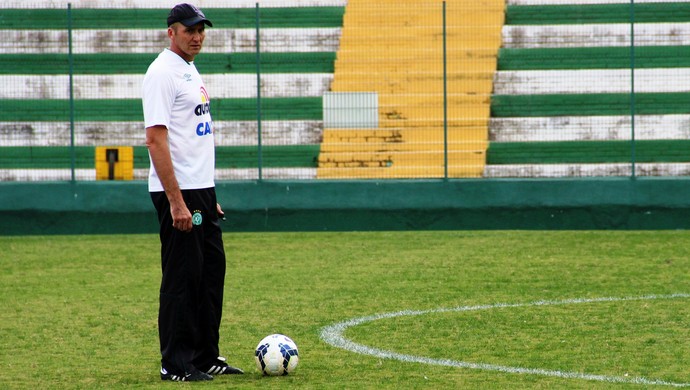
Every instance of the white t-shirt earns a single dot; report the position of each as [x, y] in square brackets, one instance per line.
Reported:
[174, 96]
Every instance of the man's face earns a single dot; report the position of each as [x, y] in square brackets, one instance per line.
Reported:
[187, 41]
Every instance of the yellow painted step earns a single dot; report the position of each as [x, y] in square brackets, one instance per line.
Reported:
[404, 65]
[421, 34]
[415, 86]
[461, 70]
[356, 138]
[393, 45]
[412, 61]
[433, 122]
[431, 17]
[434, 99]
[421, 172]
[398, 115]
[423, 53]
[401, 159]
[407, 147]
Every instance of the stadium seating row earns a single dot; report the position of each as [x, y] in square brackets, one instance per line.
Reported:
[562, 102]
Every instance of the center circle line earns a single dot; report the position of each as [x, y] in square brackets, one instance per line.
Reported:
[333, 335]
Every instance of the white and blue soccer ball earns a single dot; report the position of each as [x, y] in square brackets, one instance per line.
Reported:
[276, 355]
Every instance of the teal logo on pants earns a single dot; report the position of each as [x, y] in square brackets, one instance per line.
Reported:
[197, 218]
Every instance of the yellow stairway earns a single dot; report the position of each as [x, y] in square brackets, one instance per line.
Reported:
[396, 49]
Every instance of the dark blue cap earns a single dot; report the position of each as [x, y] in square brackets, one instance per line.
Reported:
[188, 15]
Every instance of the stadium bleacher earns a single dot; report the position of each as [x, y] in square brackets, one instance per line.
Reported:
[397, 52]
[112, 48]
[560, 102]
[562, 94]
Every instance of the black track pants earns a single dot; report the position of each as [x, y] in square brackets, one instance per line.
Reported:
[191, 292]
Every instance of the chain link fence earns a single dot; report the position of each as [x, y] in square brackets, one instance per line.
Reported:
[337, 89]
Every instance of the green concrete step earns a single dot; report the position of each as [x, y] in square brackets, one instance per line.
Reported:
[594, 58]
[133, 18]
[137, 63]
[586, 152]
[60, 157]
[597, 13]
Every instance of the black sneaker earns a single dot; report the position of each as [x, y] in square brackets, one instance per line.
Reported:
[220, 367]
[194, 376]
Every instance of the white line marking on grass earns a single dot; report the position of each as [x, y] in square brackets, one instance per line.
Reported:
[333, 335]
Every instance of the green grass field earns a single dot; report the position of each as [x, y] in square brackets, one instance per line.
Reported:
[525, 309]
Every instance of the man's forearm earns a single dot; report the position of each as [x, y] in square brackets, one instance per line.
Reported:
[157, 144]
[160, 156]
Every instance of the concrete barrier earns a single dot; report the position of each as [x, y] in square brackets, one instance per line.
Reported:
[125, 207]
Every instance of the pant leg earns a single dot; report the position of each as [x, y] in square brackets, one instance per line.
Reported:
[213, 281]
[180, 290]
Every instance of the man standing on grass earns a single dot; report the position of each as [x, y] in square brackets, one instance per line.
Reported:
[179, 137]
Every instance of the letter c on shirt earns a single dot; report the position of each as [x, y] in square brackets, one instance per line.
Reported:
[203, 128]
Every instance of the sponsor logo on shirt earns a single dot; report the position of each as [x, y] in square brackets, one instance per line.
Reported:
[204, 108]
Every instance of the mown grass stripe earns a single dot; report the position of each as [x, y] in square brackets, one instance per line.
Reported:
[137, 63]
[88, 18]
[593, 58]
[586, 152]
[596, 13]
[238, 109]
[588, 104]
[59, 157]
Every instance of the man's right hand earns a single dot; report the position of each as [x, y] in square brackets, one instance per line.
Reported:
[182, 218]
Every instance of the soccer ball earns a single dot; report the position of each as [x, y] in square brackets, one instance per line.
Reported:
[276, 354]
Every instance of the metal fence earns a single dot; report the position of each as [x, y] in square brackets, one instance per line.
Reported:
[358, 89]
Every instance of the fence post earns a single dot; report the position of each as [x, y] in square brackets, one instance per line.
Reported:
[258, 94]
[73, 156]
[445, 98]
[632, 87]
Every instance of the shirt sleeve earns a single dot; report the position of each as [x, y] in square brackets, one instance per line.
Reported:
[158, 97]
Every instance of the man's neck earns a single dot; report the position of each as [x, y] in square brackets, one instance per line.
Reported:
[184, 56]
